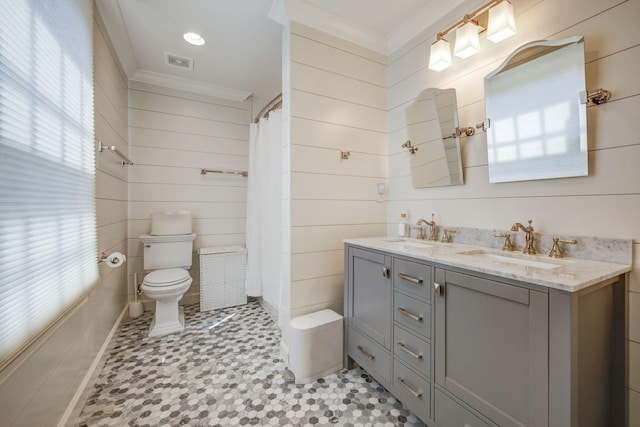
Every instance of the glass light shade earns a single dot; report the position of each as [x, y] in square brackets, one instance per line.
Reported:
[440, 57]
[467, 41]
[502, 23]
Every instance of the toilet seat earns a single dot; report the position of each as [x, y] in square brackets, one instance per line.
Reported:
[166, 277]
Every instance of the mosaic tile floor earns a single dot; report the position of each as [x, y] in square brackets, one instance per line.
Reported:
[229, 378]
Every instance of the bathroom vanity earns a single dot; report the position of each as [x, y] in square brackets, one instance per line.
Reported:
[471, 336]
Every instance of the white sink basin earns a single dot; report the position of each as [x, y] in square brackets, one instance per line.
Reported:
[417, 245]
[512, 259]
[410, 244]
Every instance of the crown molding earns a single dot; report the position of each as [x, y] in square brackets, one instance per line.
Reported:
[418, 22]
[283, 11]
[111, 15]
[159, 79]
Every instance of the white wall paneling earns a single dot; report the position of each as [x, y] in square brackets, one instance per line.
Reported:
[337, 101]
[173, 134]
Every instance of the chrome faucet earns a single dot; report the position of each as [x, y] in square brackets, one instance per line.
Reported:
[432, 232]
[529, 238]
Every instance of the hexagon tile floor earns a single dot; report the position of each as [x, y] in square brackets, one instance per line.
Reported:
[231, 377]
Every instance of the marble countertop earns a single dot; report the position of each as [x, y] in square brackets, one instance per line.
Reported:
[567, 274]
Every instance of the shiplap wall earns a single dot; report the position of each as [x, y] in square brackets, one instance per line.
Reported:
[335, 92]
[42, 384]
[173, 134]
[606, 203]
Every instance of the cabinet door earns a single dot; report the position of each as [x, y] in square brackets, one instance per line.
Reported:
[491, 347]
[370, 294]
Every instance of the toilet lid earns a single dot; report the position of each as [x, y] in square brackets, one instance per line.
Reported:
[169, 276]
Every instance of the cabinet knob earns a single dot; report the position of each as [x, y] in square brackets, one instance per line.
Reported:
[438, 289]
[386, 272]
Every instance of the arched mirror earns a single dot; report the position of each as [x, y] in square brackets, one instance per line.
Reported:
[434, 146]
[537, 114]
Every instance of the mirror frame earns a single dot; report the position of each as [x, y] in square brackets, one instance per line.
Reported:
[434, 144]
[536, 116]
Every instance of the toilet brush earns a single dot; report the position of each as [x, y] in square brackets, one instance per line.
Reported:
[135, 307]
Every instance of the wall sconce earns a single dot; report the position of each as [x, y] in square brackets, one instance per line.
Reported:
[467, 40]
[501, 25]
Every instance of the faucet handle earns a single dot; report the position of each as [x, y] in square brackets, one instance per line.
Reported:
[556, 252]
[507, 246]
[420, 235]
[445, 235]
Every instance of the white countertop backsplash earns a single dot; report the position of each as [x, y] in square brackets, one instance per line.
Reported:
[571, 274]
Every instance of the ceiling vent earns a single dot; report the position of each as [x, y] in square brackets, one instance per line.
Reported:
[178, 61]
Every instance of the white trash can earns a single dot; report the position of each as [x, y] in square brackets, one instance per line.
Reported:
[315, 345]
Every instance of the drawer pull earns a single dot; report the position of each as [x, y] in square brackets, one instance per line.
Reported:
[410, 315]
[409, 352]
[410, 279]
[385, 272]
[417, 394]
[366, 353]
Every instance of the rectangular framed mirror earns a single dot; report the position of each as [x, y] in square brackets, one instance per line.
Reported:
[537, 121]
[434, 146]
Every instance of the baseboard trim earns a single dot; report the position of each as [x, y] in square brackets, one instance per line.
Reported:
[72, 409]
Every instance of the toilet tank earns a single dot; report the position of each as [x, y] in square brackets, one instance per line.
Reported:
[174, 251]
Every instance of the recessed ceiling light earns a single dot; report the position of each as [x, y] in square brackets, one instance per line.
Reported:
[194, 38]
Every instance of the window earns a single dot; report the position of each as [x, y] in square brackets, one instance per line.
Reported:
[48, 257]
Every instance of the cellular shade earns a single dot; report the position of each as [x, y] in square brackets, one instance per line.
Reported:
[47, 175]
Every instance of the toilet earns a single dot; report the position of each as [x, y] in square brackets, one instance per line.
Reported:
[167, 259]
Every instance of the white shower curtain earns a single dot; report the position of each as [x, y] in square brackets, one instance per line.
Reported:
[264, 209]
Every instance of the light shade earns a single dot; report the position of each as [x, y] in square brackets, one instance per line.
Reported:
[467, 40]
[502, 24]
[440, 57]
[193, 38]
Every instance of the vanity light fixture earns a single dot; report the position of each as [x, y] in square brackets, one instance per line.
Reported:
[440, 57]
[193, 38]
[501, 25]
[467, 40]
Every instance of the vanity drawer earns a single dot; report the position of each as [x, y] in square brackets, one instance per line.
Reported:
[413, 351]
[448, 413]
[412, 277]
[369, 355]
[412, 390]
[414, 314]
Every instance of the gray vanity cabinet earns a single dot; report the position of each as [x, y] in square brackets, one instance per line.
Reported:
[491, 347]
[369, 294]
[367, 312]
[462, 348]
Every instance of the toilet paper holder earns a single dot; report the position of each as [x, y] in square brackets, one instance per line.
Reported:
[114, 259]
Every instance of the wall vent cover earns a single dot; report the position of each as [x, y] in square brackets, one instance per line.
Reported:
[178, 61]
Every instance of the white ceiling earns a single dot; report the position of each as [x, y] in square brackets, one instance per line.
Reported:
[242, 54]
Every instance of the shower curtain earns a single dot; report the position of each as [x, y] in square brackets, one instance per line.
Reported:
[264, 209]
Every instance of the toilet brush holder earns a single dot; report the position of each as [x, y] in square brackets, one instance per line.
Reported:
[135, 307]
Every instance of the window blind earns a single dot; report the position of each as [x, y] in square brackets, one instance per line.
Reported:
[48, 251]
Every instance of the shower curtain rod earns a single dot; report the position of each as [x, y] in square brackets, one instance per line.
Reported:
[274, 104]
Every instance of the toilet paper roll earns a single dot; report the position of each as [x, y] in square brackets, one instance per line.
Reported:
[115, 259]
